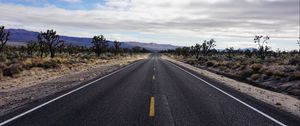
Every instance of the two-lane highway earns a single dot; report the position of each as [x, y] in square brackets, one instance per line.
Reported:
[151, 92]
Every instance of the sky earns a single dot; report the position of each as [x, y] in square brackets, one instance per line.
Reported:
[232, 23]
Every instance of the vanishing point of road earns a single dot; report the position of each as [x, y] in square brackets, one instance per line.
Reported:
[150, 92]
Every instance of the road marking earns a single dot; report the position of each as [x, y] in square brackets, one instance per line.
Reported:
[153, 77]
[240, 101]
[153, 68]
[57, 98]
[152, 111]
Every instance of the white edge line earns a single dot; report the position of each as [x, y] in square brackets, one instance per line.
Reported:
[57, 98]
[240, 101]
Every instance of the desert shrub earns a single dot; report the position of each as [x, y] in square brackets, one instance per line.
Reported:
[296, 75]
[294, 61]
[12, 70]
[256, 67]
[48, 64]
[3, 58]
[278, 73]
[210, 64]
[246, 73]
[269, 72]
[236, 65]
[1, 74]
[255, 77]
[298, 68]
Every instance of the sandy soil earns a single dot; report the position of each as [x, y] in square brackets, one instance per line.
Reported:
[281, 101]
[38, 83]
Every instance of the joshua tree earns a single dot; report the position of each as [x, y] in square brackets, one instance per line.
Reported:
[42, 47]
[298, 42]
[198, 50]
[263, 47]
[51, 40]
[207, 46]
[31, 47]
[229, 52]
[100, 44]
[3, 38]
[117, 47]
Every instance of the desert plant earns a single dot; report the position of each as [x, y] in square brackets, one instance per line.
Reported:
[52, 41]
[31, 47]
[198, 50]
[294, 61]
[12, 70]
[210, 64]
[298, 42]
[100, 44]
[263, 47]
[256, 67]
[117, 46]
[207, 46]
[3, 38]
[229, 52]
[42, 47]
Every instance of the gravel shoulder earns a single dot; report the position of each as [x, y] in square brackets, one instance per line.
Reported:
[39, 83]
[281, 101]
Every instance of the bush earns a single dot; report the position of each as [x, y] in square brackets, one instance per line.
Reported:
[48, 64]
[256, 67]
[210, 64]
[1, 74]
[246, 73]
[294, 61]
[12, 70]
[255, 77]
[269, 72]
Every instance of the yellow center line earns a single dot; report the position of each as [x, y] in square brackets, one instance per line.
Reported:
[151, 112]
[153, 77]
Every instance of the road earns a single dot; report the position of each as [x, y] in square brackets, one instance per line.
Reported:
[151, 92]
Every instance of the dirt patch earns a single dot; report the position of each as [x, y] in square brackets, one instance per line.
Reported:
[38, 83]
[281, 101]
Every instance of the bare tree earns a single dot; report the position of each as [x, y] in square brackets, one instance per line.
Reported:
[262, 42]
[3, 38]
[52, 40]
[100, 44]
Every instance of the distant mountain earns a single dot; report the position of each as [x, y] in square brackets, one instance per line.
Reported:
[22, 36]
[152, 46]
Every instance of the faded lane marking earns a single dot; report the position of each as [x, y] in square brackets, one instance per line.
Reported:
[151, 111]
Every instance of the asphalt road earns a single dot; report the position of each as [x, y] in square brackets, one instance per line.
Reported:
[151, 92]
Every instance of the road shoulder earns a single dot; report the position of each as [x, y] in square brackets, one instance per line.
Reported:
[13, 100]
[281, 101]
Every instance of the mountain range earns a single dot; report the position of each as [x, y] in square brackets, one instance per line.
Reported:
[21, 36]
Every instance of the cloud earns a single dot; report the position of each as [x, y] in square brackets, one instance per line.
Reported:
[188, 18]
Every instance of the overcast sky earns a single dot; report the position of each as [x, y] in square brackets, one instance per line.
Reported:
[178, 22]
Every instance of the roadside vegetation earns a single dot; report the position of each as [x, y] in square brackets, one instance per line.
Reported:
[274, 70]
[48, 51]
